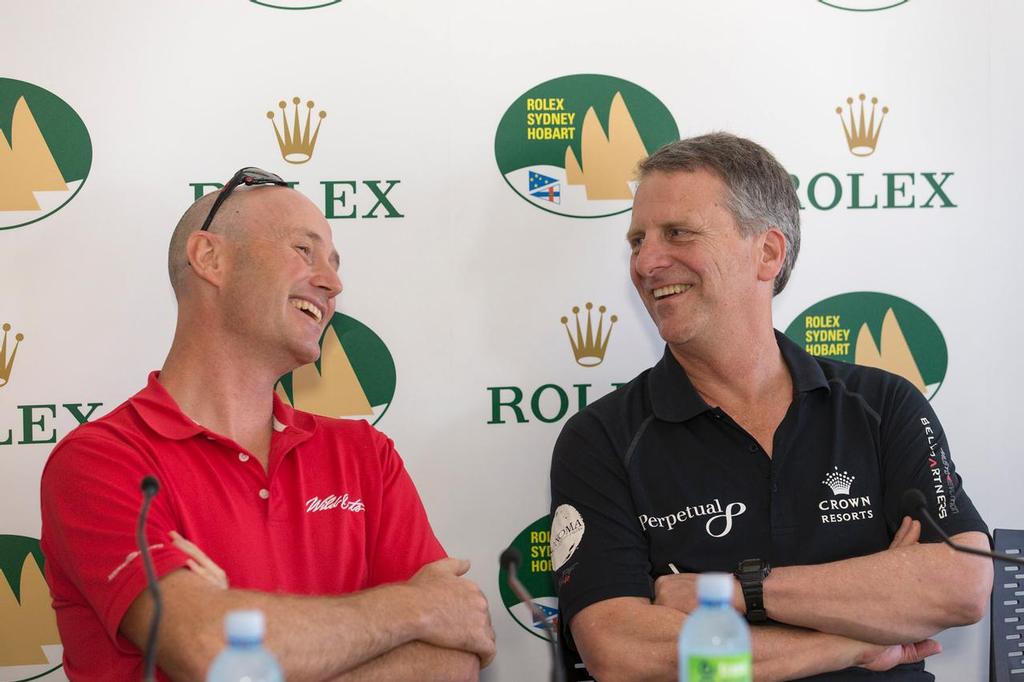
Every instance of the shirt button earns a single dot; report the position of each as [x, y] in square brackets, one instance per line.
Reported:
[264, 493]
[242, 457]
[753, 447]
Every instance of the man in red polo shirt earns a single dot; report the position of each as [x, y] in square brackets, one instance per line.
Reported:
[314, 520]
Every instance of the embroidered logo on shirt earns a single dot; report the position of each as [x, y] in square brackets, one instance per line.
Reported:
[567, 529]
[315, 504]
[132, 556]
[843, 506]
[713, 510]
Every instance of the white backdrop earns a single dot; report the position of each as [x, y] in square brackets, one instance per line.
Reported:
[467, 288]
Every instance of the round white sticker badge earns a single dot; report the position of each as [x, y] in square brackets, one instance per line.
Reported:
[566, 534]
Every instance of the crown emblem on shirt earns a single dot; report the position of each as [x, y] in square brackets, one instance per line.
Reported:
[7, 361]
[839, 482]
[861, 131]
[589, 345]
[296, 143]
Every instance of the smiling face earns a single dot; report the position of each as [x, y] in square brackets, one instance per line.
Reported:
[282, 276]
[697, 276]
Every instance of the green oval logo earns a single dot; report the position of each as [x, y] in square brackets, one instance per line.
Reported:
[536, 576]
[875, 330]
[570, 145]
[354, 376]
[296, 4]
[863, 5]
[30, 645]
[45, 153]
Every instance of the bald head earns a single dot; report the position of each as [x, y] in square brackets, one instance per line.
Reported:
[230, 219]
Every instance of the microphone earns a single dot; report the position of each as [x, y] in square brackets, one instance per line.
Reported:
[510, 560]
[914, 505]
[150, 487]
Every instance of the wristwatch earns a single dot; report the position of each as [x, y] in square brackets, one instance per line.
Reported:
[751, 574]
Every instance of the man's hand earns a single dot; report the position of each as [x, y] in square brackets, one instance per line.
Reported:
[909, 533]
[881, 658]
[200, 564]
[454, 609]
[679, 592]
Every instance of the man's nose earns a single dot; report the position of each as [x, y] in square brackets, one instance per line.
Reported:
[328, 279]
[650, 256]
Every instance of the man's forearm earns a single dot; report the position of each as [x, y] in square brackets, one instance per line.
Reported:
[314, 638]
[631, 639]
[419, 661]
[904, 594]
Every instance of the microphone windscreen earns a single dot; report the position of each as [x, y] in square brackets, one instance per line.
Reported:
[911, 503]
[150, 485]
[510, 559]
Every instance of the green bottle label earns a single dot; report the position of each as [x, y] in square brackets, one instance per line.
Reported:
[736, 668]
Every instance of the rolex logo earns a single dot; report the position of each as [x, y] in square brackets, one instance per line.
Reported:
[839, 482]
[7, 362]
[296, 142]
[589, 346]
[861, 131]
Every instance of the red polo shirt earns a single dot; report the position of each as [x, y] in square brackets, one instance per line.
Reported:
[334, 513]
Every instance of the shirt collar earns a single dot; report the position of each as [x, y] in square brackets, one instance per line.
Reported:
[674, 399]
[161, 413]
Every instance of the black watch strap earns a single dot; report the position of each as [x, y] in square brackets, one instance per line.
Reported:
[751, 574]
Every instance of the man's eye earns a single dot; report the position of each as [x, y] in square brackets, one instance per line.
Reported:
[306, 250]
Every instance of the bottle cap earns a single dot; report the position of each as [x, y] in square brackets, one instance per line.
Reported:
[715, 587]
[244, 626]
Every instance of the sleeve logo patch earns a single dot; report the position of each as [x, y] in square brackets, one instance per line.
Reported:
[566, 534]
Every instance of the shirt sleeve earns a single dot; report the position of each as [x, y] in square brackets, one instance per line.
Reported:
[91, 498]
[598, 550]
[404, 539]
[916, 455]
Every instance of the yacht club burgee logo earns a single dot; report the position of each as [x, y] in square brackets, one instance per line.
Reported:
[535, 574]
[571, 145]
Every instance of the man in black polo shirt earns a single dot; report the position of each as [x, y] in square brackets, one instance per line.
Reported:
[740, 452]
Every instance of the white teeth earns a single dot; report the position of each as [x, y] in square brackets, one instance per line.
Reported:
[306, 305]
[661, 292]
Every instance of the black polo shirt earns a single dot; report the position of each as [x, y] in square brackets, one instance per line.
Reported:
[651, 475]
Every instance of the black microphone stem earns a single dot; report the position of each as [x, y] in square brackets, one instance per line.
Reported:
[914, 501]
[510, 558]
[148, 491]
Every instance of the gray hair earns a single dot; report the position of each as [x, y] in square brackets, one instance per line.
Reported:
[760, 192]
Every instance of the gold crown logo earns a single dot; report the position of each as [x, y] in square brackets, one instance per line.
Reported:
[7, 363]
[861, 136]
[589, 347]
[296, 145]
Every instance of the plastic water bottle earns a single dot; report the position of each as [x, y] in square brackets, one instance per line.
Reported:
[714, 645]
[244, 659]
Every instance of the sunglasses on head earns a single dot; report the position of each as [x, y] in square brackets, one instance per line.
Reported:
[245, 176]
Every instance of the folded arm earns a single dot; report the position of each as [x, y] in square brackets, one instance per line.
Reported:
[628, 638]
[436, 624]
[906, 593]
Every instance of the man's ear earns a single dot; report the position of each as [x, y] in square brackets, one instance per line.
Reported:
[206, 255]
[771, 255]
